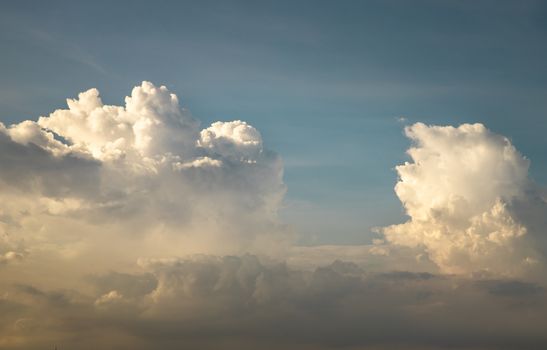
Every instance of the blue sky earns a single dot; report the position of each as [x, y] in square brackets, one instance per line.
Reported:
[324, 82]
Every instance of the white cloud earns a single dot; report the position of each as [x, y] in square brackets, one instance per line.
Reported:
[459, 191]
[125, 176]
[150, 125]
[235, 140]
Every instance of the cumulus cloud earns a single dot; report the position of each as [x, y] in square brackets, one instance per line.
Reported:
[461, 190]
[236, 140]
[144, 169]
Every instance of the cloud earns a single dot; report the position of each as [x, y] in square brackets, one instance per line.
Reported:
[150, 125]
[461, 191]
[244, 302]
[235, 140]
[133, 227]
[10, 257]
[145, 172]
[87, 191]
[34, 162]
[511, 288]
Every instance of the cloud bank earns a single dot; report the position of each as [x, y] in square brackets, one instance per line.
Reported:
[209, 302]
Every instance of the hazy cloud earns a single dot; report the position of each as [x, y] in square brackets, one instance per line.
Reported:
[243, 302]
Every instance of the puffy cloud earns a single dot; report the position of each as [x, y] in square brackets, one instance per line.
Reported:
[236, 140]
[460, 191]
[150, 125]
[142, 177]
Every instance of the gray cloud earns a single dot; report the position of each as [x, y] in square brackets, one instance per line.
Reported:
[30, 168]
[512, 288]
[242, 302]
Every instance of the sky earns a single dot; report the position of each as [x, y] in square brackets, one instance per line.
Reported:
[325, 84]
[288, 174]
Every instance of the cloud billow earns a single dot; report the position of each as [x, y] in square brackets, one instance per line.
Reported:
[145, 169]
[461, 191]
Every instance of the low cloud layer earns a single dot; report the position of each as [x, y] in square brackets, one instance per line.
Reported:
[240, 302]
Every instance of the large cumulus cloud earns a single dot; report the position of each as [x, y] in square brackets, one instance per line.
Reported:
[143, 177]
[463, 190]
